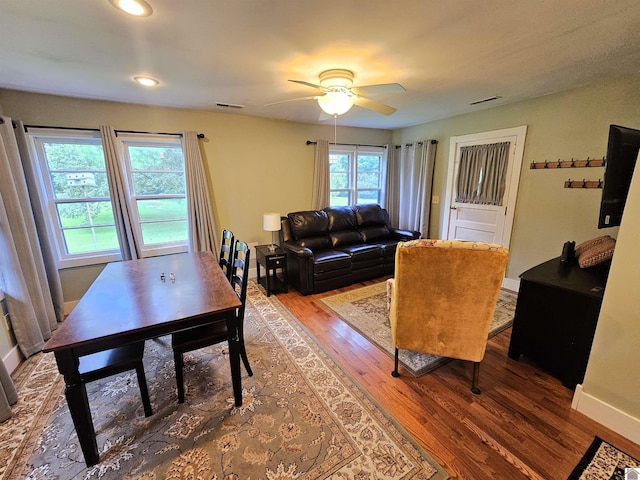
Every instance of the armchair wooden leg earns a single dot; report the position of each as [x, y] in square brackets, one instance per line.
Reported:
[476, 374]
[177, 357]
[395, 367]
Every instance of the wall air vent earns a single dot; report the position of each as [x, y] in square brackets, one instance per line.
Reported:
[228, 105]
[485, 100]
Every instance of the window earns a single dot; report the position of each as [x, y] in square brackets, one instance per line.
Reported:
[357, 175]
[77, 198]
[155, 170]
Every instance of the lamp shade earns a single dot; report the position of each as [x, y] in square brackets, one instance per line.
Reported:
[271, 222]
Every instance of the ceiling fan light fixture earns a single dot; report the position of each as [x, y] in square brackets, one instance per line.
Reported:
[138, 8]
[336, 103]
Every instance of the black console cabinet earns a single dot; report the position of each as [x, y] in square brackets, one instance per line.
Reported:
[556, 316]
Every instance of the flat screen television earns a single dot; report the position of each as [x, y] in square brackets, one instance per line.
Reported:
[622, 153]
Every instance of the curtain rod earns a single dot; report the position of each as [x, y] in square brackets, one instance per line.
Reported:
[309, 142]
[432, 142]
[26, 127]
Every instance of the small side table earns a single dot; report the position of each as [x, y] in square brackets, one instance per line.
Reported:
[272, 261]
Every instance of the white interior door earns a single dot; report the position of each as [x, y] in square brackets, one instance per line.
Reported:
[484, 223]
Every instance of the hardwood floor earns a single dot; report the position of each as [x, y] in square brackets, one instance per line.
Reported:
[521, 426]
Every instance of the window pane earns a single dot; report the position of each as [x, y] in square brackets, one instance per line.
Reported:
[164, 232]
[368, 163]
[84, 214]
[90, 239]
[162, 209]
[156, 158]
[338, 163]
[74, 184]
[368, 180]
[158, 183]
[368, 196]
[74, 155]
[338, 180]
[340, 198]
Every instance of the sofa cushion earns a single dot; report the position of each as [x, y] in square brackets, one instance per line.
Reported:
[360, 253]
[340, 218]
[309, 223]
[369, 215]
[345, 238]
[329, 260]
[371, 234]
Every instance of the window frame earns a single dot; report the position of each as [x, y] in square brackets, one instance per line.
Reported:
[37, 136]
[149, 140]
[353, 152]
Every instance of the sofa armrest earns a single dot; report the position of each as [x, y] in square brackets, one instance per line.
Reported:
[296, 249]
[404, 234]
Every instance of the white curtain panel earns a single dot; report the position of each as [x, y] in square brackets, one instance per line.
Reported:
[320, 193]
[129, 247]
[482, 173]
[415, 179]
[25, 280]
[8, 394]
[25, 284]
[202, 226]
[392, 197]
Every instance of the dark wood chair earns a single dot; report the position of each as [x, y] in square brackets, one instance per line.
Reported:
[226, 252]
[206, 335]
[112, 362]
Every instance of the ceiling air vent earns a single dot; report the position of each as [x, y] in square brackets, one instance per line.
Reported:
[228, 105]
[490, 99]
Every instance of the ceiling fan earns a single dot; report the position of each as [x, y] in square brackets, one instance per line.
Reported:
[340, 94]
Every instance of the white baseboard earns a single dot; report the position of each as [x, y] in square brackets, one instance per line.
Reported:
[12, 359]
[607, 415]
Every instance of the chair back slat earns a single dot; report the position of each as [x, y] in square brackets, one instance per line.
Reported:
[240, 273]
[226, 252]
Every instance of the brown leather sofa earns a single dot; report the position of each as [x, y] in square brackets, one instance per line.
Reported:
[337, 246]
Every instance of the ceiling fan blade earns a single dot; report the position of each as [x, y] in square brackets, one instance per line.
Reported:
[373, 105]
[380, 88]
[312, 85]
[315, 97]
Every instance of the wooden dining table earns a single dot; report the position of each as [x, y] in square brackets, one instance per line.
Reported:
[137, 300]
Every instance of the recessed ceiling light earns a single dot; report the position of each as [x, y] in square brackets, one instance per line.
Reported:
[146, 81]
[139, 8]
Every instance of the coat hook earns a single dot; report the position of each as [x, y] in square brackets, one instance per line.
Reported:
[588, 162]
[573, 163]
[546, 164]
[599, 183]
[533, 165]
[584, 183]
[559, 164]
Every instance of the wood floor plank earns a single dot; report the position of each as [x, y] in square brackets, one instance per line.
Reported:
[520, 427]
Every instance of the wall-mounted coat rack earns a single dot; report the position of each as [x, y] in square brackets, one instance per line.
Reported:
[589, 162]
[582, 184]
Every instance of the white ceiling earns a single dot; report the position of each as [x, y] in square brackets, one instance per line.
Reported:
[446, 53]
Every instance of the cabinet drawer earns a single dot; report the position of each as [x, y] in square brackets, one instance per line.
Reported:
[277, 261]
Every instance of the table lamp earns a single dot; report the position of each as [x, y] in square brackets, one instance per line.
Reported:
[271, 223]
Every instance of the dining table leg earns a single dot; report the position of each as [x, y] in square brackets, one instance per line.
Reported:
[76, 395]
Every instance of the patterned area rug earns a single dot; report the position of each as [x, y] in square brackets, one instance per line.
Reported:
[605, 462]
[302, 417]
[365, 309]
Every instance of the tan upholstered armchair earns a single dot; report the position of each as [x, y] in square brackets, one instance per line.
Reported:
[443, 298]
